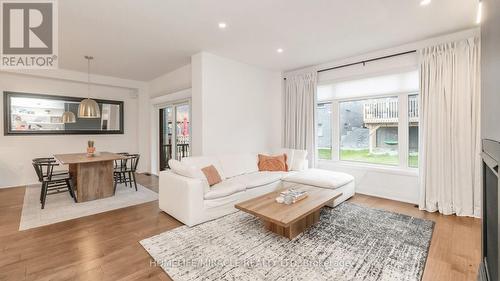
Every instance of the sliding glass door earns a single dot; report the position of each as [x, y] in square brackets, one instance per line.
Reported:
[166, 135]
[175, 132]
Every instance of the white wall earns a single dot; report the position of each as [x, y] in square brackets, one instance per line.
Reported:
[144, 129]
[16, 152]
[174, 81]
[388, 51]
[197, 104]
[401, 63]
[236, 107]
[380, 182]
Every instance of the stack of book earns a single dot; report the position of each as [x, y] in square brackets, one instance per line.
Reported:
[291, 196]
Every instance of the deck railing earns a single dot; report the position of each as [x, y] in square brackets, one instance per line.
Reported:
[387, 110]
[413, 109]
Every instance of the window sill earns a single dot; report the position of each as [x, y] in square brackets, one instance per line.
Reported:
[371, 167]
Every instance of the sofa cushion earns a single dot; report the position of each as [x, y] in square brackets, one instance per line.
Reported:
[212, 175]
[273, 163]
[223, 189]
[296, 158]
[289, 155]
[299, 160]
[320, 178]
[257, 179]
[185, 170]
[238, 164]
[201, 162]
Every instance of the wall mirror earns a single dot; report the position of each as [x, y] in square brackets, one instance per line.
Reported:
[30, 114]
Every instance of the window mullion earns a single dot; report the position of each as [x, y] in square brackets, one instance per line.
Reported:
[335, 131]
[403, 130]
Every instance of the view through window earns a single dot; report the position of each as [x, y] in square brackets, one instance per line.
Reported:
[369, 130]
[360, 119]
[324, 130]
[413, 115]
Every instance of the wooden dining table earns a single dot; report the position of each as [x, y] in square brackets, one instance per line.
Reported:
[92, 176]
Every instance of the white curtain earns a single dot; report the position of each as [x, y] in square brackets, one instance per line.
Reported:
[450, 163]
[299, 113]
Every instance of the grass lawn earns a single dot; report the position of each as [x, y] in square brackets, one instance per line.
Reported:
[325, 153]
[413, 161]
[365, 156]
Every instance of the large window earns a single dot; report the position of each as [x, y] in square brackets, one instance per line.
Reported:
[369, 131]
[324, 130]
[372, 120]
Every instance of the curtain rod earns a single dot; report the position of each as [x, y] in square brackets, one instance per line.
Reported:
[365, 61]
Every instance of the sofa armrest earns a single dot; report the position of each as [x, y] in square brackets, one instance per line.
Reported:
[181, 197]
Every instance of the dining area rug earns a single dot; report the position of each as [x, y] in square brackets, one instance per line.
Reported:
[61, 207]
[350, 242]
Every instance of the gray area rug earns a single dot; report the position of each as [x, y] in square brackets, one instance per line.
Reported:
[61, 207]
[350, 242]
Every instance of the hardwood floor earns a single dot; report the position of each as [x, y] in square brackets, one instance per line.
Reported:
[105, 246]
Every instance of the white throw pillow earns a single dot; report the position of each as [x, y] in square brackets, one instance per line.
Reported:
[185, 170]
[289, 156]
[201, 162]
[299, 160]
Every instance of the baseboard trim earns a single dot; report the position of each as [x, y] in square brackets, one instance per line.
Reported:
[386, 197]
[20, 185]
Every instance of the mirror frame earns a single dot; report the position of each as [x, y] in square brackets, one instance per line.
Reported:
[7, 116]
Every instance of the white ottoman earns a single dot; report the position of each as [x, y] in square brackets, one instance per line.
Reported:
[324, 179]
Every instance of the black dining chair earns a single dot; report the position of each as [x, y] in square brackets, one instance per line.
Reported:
[120, 163]
[53, 182]
[51, 160]
[126, 173]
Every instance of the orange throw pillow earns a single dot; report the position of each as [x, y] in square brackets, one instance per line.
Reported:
[212, 175]
[273, 163]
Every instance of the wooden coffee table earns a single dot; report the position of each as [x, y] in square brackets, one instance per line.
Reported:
[289, 220]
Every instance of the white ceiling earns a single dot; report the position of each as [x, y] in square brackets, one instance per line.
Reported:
[143, 39]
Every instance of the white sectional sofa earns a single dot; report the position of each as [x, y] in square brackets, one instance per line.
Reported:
[185, 194]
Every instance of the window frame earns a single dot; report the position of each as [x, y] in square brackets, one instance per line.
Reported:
[403, 134]
[316, 125]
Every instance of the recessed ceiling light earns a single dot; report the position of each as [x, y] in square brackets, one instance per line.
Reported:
[279, 50]
[479, 12]
[425, 2]
[222, 25]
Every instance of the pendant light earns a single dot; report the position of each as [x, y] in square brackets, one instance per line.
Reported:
[88, 107]
[68, 117]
